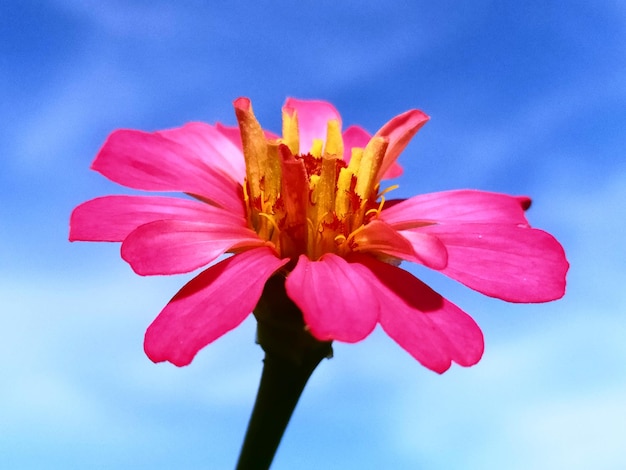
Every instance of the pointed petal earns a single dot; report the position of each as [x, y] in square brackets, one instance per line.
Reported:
[313, 117]
[394, 171]
[152, 162]
[211, 146]
[429, 250]
[211, 304]
[336, 303]
[516, 264]
[430, 328]
[399, 131]
[417, 247]
[112, 218]
[181, 246]
[457, 206]
[378, 237]
[354, 136]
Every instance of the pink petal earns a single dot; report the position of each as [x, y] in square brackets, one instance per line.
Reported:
[429, 250]
[355, 136]
[211, 304]
[313, 117]
[457, 206]
[336, 302]
[399, 131]
[393, 171]
[430, 328]
[232, 133]
[211, 146]
[112, 218]
[152, 162]
[181, 246]
[378, 237]
[516, 264]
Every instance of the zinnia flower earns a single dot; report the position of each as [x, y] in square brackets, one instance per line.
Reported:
[308, 206]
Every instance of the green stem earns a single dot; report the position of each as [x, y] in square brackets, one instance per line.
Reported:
[291, 356]
[281, 385]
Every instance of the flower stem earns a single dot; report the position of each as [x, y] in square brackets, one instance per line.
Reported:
[281, 385]
[291, 356]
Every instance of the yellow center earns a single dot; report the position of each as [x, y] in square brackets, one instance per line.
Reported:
[308, 203]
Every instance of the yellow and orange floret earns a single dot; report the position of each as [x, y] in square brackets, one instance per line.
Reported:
[315, 202]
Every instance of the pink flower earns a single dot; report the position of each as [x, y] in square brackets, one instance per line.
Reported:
[308, 206]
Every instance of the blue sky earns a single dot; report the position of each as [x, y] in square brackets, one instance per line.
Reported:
[525, 98]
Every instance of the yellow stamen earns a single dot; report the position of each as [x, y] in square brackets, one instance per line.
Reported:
[316, 149]
[270, 218]
[353, 233]
[334, 141]
[382, 201]
[387, 190]
[291, 136]
[339, 239]
[370, 164]
[342, 203]
[313, 180]
[374, 211]
[355, 159]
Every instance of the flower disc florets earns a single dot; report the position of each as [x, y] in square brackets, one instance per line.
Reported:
[308, 203]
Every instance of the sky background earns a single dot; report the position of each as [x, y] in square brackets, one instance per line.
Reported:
[524, 98]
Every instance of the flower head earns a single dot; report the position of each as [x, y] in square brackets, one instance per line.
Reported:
[309, 206]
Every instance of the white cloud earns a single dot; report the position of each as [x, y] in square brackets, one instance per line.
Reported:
[553, 399]
[576, 433]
